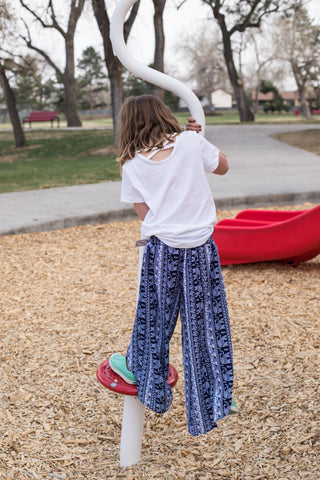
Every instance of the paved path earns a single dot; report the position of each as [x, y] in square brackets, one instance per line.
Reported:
[263, 171]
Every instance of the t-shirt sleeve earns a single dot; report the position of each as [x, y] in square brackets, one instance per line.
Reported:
[129, 194]
[209, 154]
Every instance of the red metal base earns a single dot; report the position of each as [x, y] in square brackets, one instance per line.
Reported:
[111, 380]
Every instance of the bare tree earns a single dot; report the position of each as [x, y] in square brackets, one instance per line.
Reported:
[66, 76]
[159, 42]
[19, 136]
[304, 42]
[236, 17]
[114, 67]
[265, 56]
[204, 56]
[6, 64]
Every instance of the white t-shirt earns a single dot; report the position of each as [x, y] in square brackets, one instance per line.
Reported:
[181, 207]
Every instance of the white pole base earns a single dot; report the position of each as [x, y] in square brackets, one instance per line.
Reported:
[132, 431]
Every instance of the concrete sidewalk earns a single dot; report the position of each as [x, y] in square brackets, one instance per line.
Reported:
[263, 172]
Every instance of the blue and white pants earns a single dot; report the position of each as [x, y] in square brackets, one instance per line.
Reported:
[188, 280]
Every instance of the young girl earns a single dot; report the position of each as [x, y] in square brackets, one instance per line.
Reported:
[164, 176]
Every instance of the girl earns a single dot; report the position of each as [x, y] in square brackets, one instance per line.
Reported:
[164, 176]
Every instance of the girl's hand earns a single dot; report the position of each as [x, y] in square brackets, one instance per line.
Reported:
[193, 126]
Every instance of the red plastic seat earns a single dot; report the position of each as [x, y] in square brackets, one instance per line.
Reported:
[113, 382]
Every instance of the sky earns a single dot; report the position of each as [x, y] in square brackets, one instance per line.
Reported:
[141, 40]
[177, 23]
[180, 24]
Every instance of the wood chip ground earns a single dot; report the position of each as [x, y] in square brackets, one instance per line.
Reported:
[67, 303]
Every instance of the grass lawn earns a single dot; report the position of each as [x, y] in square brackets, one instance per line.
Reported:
[307, 139]
[56, 158]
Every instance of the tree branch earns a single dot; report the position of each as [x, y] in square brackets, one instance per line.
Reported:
[246, 23]
[30, 45]
[129, 22]
[54, 20]
[181, 4]
[39, 19]
[75, 12]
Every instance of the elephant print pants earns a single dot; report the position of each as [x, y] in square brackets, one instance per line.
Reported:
[189, 281]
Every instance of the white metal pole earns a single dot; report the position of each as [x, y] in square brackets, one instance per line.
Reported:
[131, 431]
[133, 417]
[150, 75]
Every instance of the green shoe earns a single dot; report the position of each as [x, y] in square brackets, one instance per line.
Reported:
[118, 364]
[234, 408]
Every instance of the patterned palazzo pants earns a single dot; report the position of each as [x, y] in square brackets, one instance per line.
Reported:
[188, 280]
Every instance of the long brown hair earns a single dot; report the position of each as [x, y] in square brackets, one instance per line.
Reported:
[145, 122]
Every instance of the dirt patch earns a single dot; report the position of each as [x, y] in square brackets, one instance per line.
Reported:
[8, 158]
[307, 140]
[17, 154]
[111, 149]
[68, 301]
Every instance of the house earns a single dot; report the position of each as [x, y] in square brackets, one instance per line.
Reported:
[221, 99]
[292, 98]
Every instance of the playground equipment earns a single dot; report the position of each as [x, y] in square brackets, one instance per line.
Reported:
[263, 235]
[133, 410]
[150, 75]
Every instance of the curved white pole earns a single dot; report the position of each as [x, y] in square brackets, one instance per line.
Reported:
[150, 75]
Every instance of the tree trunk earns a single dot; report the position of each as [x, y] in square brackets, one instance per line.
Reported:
[317, 91]
[116, 85]
[114, 67]
[71, 110]
[18, 132]
[159, 43]
[246, 115]
[256, 101]
[304, 105]
[91, 100]
[69, 83]
[305, 108]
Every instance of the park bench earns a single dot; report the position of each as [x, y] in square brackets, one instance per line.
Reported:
[42, 117]
[316, 112]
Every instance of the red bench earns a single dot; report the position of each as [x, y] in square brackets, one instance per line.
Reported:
[316, 112]
[42, 117]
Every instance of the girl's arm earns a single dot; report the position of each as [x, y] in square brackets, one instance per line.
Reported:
[141, 209]
[193, 126]
[223, 165]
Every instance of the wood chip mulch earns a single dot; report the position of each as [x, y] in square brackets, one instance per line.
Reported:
[67, 303]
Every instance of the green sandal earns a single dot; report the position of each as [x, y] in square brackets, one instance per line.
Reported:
[234, 408]
[118, 364]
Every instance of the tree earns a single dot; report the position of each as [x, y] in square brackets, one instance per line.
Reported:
[114, 67]
[30, 90]
[263, 64]
[49, 20]
[19, 136]
[136, 86]
[277, 104]
[5, 66]
[299, 41]
[235, 18]
[90, 81]
[159, 43]
[207, 68]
